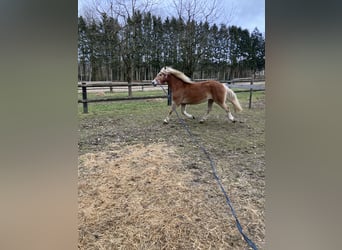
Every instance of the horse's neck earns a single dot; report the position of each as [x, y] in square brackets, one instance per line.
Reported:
[175, 83]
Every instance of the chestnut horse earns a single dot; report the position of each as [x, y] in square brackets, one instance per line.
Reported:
[185, 91]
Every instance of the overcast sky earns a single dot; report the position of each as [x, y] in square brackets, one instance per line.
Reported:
[246, 14]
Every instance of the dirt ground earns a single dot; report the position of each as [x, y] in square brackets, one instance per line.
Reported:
[146, 185]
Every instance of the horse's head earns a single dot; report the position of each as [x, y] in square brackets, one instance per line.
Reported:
[161, 77]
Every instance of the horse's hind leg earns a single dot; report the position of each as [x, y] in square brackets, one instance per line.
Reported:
[210, 105]
[183, 108]
[226, 108]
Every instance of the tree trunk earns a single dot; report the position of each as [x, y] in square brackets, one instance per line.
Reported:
[129, 72]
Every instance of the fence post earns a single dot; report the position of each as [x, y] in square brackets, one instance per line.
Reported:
[169, 94]
[251, 93]
[84, 98]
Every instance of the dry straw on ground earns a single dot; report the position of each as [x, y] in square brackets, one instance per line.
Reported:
[141, 197]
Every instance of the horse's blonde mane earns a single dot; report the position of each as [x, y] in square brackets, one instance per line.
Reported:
[176, 73]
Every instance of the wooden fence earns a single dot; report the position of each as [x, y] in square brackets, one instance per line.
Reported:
[84, 88]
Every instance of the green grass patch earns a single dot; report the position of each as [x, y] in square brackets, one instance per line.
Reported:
[121, 108]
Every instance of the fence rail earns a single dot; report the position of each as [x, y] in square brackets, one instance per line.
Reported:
[112, 84]
[84, 86]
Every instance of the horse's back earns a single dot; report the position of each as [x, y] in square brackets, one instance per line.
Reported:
[199, 92]
[215, 88]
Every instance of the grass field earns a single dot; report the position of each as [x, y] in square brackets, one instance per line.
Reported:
[146, 185]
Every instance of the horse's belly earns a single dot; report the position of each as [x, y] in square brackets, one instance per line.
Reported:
[196, 99]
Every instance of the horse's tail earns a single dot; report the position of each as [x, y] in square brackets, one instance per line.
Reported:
[233, 99]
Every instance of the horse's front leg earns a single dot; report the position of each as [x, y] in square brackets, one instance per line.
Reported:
[173, 108]
[183, 108]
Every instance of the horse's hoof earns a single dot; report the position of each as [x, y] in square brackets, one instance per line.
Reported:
[165, 122]
[193, 117]
[201, 121]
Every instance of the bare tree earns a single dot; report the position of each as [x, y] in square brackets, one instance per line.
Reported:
[192, 12]
[124, 11]
[198, 10]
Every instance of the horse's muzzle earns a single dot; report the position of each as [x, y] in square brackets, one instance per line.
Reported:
[154, 83]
